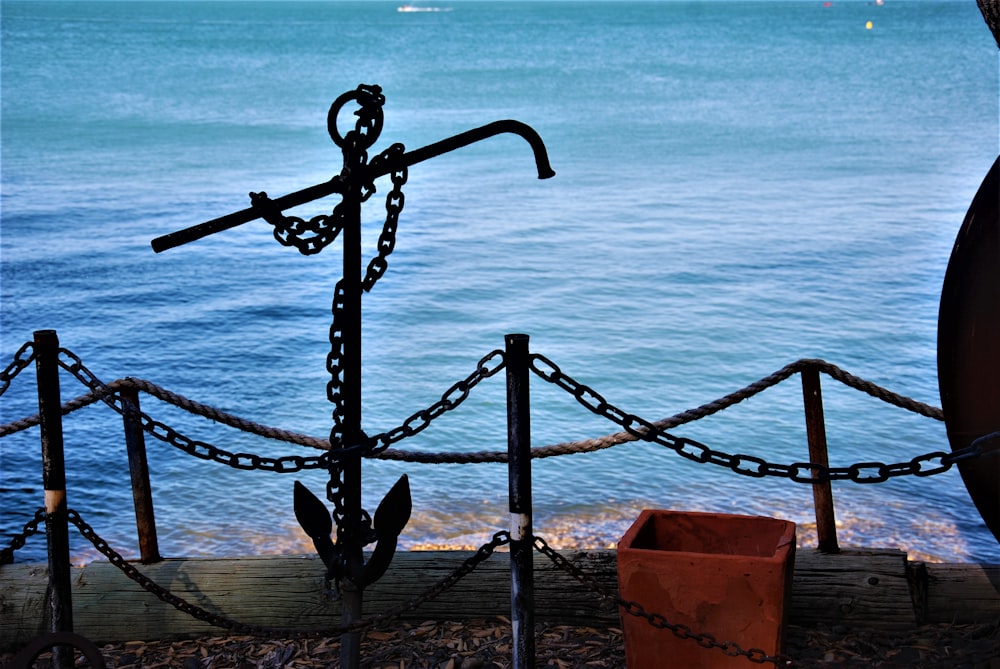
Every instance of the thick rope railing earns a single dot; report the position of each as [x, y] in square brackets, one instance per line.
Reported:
[552, 450]
[635, 429]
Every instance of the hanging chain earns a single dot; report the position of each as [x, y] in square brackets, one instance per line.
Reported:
[17, 541]
[488, 365]
[22, 359]
[116, 559]
[657, 620]
[928, 464]
[394, 201]
[309, 237]
[167, 434]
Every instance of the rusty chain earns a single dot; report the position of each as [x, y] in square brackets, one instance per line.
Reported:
[750, 465]
[17, 540]
[22, 359]
[657, 620]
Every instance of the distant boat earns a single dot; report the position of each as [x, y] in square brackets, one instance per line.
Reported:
[415, 8]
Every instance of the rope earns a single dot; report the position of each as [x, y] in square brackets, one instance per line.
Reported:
[478, 457]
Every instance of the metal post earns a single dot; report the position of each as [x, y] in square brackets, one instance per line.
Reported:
[352, 544]
[812, 397]
[142, 494]
[522, 582]
[54, 483]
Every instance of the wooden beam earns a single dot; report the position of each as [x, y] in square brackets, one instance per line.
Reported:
[864, 588]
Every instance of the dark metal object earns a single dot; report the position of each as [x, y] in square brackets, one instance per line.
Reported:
[826, 523]
[969, 344]
[522, 579]
[54, 482]
[348, 443]
[337, 185]
[142, 494]
[59, 642]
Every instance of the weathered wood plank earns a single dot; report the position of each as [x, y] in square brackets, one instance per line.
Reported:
[967, 593]
[857, 587]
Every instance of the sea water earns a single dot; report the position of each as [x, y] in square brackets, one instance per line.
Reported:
[738, 185]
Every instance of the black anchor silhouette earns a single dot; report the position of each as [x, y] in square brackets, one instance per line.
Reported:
[355, 184]
[391, 516]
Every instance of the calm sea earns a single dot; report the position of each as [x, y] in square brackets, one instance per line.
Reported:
[739, 185]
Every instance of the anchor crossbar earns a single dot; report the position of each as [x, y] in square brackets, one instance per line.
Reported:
[336, 184]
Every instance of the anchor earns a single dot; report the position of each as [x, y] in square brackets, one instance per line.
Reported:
[340, 547]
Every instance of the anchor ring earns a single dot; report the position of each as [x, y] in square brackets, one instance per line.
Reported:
[370, 99]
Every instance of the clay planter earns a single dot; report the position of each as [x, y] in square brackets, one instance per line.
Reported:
[724, 575]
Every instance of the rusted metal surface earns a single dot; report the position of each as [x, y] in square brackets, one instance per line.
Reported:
[969, 344]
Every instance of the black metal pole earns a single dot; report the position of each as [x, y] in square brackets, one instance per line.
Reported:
[352, 586]
[54, 483]
[522, 580]
[142, 494]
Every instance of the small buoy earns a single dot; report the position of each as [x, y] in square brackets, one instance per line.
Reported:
[868, 26]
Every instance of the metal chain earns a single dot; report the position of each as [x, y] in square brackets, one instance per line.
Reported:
[22, 359]
[393, 207]
[488, 365]
[165, 433]
[199, 613]
[309, 237]
[17, 540]
[657, 620]
[936, 462]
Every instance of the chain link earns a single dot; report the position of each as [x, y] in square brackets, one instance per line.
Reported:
[657, 620]
[488, 365]
[936, 462]
[115, 558]
[167, 434]
[17, 540]
[22, 359]
[393, 207]
[309, 237]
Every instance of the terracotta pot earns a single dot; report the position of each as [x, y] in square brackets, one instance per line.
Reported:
[724, 575]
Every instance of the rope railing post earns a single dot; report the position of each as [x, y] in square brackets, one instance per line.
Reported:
[142, 494]
[60, 602]
[812, 398]
[522, 583]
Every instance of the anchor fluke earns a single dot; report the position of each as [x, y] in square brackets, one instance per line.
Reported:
[317, 523]
[391, 516]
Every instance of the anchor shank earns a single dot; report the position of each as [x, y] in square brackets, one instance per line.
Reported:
[352, 544]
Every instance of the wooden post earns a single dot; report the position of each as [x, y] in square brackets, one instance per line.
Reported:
[522, 582]
[812, 397]
[54, 483]
[142, 495]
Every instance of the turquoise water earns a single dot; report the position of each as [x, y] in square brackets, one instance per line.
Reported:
[739, 185]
